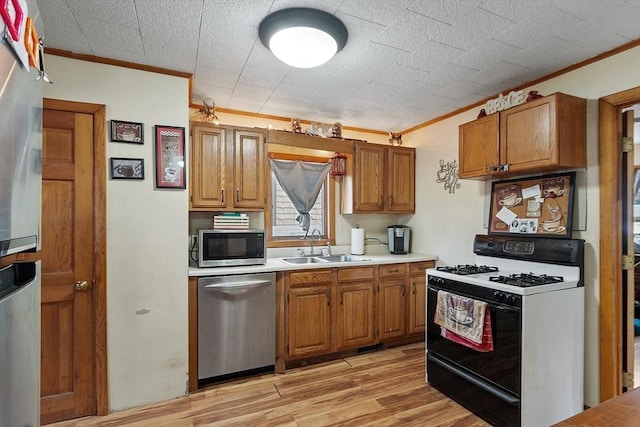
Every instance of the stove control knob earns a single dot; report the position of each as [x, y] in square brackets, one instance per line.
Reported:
[499, 296]
[512, 299]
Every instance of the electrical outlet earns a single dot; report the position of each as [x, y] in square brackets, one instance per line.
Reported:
[193, 242]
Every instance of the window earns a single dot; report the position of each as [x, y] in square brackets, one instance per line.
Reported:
[280, 220]
[284, 214]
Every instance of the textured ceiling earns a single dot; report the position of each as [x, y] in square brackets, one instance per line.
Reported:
[406, 61]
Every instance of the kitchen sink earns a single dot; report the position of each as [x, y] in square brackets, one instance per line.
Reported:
[321, 259]
[303, 260]
[343, 258]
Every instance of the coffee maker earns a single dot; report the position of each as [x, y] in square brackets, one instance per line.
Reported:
[398, 239]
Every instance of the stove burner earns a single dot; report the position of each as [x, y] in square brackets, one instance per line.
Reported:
[466, 269]
[524, 280]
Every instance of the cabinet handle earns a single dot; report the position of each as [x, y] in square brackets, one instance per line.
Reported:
[328, 298]
[237, 195]
[391, 200]
[222, 191]
[414, 288]
[403, 290]
[393, 271]
[341, 294]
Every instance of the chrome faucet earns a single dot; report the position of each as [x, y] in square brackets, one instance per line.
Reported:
[311, 238]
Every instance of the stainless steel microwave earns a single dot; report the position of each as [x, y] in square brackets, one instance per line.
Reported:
[226, 248]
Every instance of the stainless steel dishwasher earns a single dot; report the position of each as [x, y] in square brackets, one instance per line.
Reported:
[236, 324]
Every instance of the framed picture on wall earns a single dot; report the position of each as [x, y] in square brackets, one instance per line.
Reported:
[170, 160]
[130, 132]
[122, 168]
[535, 206]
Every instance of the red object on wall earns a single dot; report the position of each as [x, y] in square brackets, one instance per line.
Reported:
[339, 165]
[13, 23]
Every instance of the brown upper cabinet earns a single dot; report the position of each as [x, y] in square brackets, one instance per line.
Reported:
[227, 168]
[383, 180]
[546, 134]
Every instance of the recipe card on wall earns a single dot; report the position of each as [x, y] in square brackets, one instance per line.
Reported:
[535, 206]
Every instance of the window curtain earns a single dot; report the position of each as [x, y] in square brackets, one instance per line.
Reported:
[302, 182]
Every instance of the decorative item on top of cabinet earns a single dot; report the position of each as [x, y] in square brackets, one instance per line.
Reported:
[227, 168]
[383, 180]
[546, 134]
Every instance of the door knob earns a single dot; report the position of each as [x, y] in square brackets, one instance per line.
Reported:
[81, 285]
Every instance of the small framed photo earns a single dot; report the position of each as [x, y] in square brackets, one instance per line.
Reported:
[122, 168]
[130, 132]
[170, 157]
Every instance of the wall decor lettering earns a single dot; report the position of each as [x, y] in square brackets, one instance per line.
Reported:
[448, 175]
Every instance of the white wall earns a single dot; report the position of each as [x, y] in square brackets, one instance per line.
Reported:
[444, 223]
[147, 264]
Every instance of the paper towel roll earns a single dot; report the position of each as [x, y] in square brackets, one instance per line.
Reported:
[357, 241]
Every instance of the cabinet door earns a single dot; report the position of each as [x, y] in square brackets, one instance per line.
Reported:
[308, 320]
[368, 177]
[354, 315]
[401, 178]
[208, 168]
[248, 169]
[528, 135]
[478, 146]
[417, 304]
[391, 308]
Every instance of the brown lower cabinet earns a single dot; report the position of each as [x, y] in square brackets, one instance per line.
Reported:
[335, 309]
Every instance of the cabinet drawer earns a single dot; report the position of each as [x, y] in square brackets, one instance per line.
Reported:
[356, 274]
[418, 268]
[310, 277]
[392, 270]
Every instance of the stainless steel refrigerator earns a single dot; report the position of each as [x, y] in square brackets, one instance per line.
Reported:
[20, 206]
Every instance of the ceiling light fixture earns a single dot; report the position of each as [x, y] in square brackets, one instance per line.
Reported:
[302, 37]
[208, 112]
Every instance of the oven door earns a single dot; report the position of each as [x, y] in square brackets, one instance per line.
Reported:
[500, 367]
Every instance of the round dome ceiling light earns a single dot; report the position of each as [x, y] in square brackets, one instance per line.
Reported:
[302, 37]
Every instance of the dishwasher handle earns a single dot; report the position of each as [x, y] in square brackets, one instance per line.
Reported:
[236, 286]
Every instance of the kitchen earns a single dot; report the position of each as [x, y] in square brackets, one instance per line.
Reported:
[142, 345]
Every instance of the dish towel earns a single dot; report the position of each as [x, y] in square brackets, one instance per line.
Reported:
[464, 320]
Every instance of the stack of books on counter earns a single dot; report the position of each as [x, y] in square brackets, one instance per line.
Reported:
[231, 221]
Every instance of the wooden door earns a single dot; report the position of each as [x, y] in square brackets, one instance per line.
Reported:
[478, 146]
[354, 315]
[68, 242]
[628, 279]
[401, 178]
[391, 308]
[208, 168]
[248, 169]
[368, 177]
[308, 320]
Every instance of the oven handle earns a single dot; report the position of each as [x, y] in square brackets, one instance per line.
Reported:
[510, 399]
[491, 304]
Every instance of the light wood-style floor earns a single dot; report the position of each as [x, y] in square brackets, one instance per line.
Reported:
[383, 388]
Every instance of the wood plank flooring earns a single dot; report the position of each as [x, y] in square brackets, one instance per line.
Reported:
[383, 388]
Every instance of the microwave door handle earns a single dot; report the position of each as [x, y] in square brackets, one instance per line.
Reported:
[249, 284]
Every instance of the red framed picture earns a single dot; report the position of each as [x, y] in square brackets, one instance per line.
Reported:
[170, 157]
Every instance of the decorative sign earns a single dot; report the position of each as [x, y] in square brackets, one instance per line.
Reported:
[13, 13]
[505, 102]
[170, 161]
[448, 174]
[541, 205]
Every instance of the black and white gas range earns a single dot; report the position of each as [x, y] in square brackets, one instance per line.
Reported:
[534, 292]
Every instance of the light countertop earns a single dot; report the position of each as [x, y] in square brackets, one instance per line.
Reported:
[274, 264]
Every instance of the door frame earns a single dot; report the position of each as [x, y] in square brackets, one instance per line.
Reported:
[611, 226]
[98, 111]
